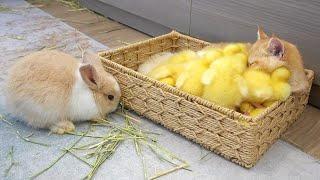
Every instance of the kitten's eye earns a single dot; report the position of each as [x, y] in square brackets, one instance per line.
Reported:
[110, 97]
[251, 63]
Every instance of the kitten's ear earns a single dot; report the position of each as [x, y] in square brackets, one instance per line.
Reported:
[276, 47]
[261, 34]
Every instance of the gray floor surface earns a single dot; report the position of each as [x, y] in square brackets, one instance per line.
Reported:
[24, 29]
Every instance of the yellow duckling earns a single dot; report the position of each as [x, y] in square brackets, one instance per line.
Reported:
[238, 62]
[223, 81]
[183, 56]
[268, 103]
[280, 85]
[256, 111]
[168, 80]
[226, 90]
[232, 49]
[246, 108]
[167, 70]
[210, 54]
[224, 85]
[235, 48]
[259, 85]
[173, 66]
[160, 72]
[190, 80]
[250, 110]
[154, 61]
[235, 64]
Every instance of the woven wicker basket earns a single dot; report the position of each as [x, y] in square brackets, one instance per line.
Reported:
[216, 128]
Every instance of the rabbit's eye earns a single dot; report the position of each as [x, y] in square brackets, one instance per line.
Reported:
[110, 97]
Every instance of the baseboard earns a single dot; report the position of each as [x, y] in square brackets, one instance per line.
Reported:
[139, 23]
[315, 96]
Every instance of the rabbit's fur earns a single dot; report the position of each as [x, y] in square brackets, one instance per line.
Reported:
[51, 89]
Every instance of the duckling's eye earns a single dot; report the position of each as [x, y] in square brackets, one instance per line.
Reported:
[110, 97]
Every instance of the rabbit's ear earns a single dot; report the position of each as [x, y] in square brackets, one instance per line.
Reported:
[91, 58]
[89, 76]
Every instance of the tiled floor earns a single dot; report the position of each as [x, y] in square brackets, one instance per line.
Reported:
[104, 30]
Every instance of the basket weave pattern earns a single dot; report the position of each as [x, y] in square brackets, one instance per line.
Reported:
[240, 138]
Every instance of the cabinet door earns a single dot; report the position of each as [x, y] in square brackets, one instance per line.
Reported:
[236, 20]
[173, 14]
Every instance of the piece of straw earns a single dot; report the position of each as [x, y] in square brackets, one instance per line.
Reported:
[81, 9]
[102, 156]
[4, 9]
[71, 3]
[128, 116]
[139, 153]
[24, 138]
[82, 134]
[29, 135]
[169, 171]
[112, 30]
[205, 156]
[17, 37]
[106, 145]
[82, 52]
[60, 157]
[124, 42]
[51, 47]
[78, 157]
[31, 141]
[74, 21]
[12, 162]
[3, 118]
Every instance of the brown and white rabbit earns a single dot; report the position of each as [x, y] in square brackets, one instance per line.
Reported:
[269, 53]
[51, 89]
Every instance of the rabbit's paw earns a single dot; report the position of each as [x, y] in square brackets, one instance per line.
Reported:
[96, 120]
[62, 126]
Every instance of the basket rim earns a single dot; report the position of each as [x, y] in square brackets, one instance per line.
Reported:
[189, 97]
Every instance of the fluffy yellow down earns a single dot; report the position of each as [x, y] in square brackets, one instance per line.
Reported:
[234, 48]
[227, 91]
[183, 56]
[173, 67]
[190, 80]
[222, 76]
[256, 112]
[168, 80]
[259, 85]
[248, 109]
[277, 89]
[223, 81]
[280, 85]
[210, 54]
